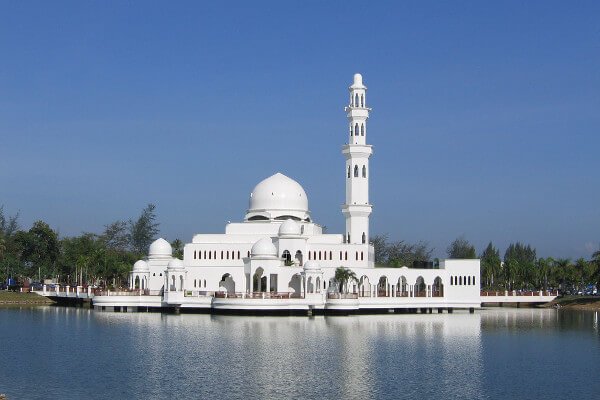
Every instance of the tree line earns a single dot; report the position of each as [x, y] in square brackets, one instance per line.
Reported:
[518, 269]
[106, 258]
[103, 259]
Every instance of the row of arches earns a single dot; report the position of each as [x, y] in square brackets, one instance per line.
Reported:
[357, 129]
[357, 101]
[357, 171]
[462, 280]
[400, 288]
[198, 283]
[287, 257]
[328, 255]
[212, 255]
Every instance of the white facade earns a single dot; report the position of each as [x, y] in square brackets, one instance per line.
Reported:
[277, 257]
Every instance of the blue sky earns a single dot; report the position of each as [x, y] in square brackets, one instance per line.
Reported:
[485, 122]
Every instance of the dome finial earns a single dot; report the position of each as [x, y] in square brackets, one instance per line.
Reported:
[358, 79]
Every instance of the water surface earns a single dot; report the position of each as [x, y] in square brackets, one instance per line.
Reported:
[492, 354]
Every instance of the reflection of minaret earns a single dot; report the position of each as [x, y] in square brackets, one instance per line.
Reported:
[357, 152]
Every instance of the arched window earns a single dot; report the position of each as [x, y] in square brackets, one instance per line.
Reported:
[348, 238]
[364, 171]
[348, 171]
[362, 129]
[299, 257]
[340, 255]
[361, 256]
[356, 129]
[194, 283]
[248, 254]
[205, 254]
[319, 255]
[362, 100]
[205, 283]
[287, 257]
[331, 255]
[460, 280]
[215, 254]
[469, 280]
[356, 100]
[473, 279]
[239, 254]
[194, 254]
[364, 238]
[209, 255]
[309, 256]
[356, 171]
[346, 256]
[351, 133]
[356, 256]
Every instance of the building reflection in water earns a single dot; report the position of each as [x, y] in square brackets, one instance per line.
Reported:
[360, 356]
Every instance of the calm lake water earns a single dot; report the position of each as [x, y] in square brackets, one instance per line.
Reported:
[54, 352]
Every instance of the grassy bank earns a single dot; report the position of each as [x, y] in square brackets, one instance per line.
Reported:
[22, 298]
[576, 302]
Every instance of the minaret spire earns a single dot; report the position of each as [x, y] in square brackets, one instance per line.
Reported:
[357, 152]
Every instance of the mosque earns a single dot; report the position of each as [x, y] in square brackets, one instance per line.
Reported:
[279, 259]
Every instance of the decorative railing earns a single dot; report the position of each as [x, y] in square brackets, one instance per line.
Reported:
[502, 293]
[258, 295]
[127, 292]
[342, 296]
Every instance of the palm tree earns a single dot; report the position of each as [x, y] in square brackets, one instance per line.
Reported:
[342, 277]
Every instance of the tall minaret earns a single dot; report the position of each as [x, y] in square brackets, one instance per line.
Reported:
[357, 152]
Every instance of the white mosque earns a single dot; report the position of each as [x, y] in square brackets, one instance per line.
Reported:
[279, 259]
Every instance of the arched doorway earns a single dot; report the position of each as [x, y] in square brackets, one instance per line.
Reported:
[227, 284]
[437, 290]
[420, 288]
[402, 287]
[382, 287]
[364, 286]
[295, 286]
[259, 282]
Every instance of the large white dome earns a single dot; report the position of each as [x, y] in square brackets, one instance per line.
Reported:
[160, 248]
[278, 197]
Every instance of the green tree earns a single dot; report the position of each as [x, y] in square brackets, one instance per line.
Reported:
[519, 266]
[39, 249]
[143, 230]
[342, 277]
[461, 248]
[490, 266]
[116, 236]
[177, 246]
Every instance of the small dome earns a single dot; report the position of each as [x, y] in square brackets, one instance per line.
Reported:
[175, 263]
[140, 265]
[358, 82]
[278, 197]
[289, 228]
[264, 248]
[311, 266]
[160, 248]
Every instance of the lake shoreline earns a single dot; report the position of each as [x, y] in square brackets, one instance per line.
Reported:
[16, 298]
[586, 303]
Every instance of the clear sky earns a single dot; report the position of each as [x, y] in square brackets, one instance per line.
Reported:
[485, 122]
